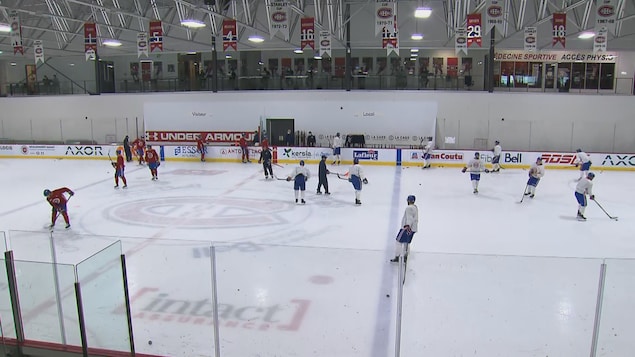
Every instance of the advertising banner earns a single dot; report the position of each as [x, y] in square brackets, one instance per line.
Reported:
[555, 56]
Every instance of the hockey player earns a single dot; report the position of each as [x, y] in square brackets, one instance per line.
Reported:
[323, 180]
[265, 159]
[475, 166]
[245, 149]
[497, 156]
[119, 170]
[582, 161]
[409, 224]
[337, 149]
[583, 188]
[57, 200]
[427, 155]
[357, 179]
[200, 147]
[126, 147]
[299, 176]
[139, 144]
[152, 158]
[536, 172]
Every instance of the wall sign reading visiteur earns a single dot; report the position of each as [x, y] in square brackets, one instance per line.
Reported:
[555, 56]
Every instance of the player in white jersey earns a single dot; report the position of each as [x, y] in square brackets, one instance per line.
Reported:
[475, 167]
[497, 156]
[584, 162]
[409, 223]
[299, 176]
[337, 148]
[427, 155]
[536, 172]
[356, 177]
[583, 188]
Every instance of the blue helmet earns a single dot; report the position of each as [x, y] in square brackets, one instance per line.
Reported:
[301, 162]
[590, 175]
[47, 192]
[411, 198]
[355, 161]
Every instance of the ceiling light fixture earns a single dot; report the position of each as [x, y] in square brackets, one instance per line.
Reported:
[586, 35]
[416, 37]
[298, 51]
[256, 39]
[423, 12]
[414, 50]
[228, 56]
[317, 56]
[112, 43]
[5, 28]
[193, 24]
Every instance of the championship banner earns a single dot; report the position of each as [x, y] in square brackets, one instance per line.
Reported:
[230, 37]
[142, 44]
[474, 30]
[90, 40]
[605, 15]
[494, 10]
[460, 41]
[156, 35]
[600, 39]
[278, 18]
[559, 23]
[325, 43]
[385, 12]
[38, 51]
[307, 32]
[390, 39]
[16, 34]
[531, 38]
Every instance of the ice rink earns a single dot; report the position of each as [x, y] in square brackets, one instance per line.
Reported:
[487, 275]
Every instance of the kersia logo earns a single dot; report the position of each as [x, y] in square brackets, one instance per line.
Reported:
[366, 154]
[287, 152]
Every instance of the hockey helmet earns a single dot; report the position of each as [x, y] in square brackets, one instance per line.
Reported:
[411, 198]
[323, 156]
[355, 161]
[578, 150]
[118, 152]
[338, 134]
[590, 175]
[301, 162]
[149, 146]
[47, 192]
[497, 142]
[476, 155]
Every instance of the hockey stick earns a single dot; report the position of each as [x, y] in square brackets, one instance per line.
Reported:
[341, 178]
[603, 210]
[281, 179]
[525, 191]
[278, 165]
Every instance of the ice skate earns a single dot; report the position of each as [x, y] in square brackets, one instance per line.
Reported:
[395, 259]
[125, 186]
[68, 226]
[318, 193]
[303, 201]
[532, 196]
[296, 200]
[475, 192]
[358, 202]
[116, 186]
[581, 217]
[327, 193]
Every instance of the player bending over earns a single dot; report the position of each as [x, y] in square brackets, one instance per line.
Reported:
[58, 201]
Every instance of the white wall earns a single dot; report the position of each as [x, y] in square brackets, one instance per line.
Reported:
[533, 121]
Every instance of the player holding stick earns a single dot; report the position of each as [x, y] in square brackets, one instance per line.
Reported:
[475, 167]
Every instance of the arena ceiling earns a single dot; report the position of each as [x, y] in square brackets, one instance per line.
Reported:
[59, 23]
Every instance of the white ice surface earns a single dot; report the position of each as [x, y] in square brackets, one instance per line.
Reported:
[487, 276]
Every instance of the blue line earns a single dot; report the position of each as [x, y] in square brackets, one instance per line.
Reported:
[385, 307]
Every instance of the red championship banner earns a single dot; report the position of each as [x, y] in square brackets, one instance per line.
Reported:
[90, 40]
[156, 35]
[230, 39]
[474, 30]
[559, 23]
[307, 32]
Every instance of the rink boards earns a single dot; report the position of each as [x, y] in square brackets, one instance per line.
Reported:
[312, 155]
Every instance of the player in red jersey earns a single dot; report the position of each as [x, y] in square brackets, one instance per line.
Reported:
[200, 146]
[119, 170]
[245, 149]
[57, 200]
[152, 158]
[138, 145]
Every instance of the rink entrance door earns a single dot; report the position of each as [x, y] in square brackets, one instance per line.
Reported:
[277, 130]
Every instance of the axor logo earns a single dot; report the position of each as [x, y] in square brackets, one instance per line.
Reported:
[619, 160]
[84, 151]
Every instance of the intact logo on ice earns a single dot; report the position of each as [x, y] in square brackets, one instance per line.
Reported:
[366, 154]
